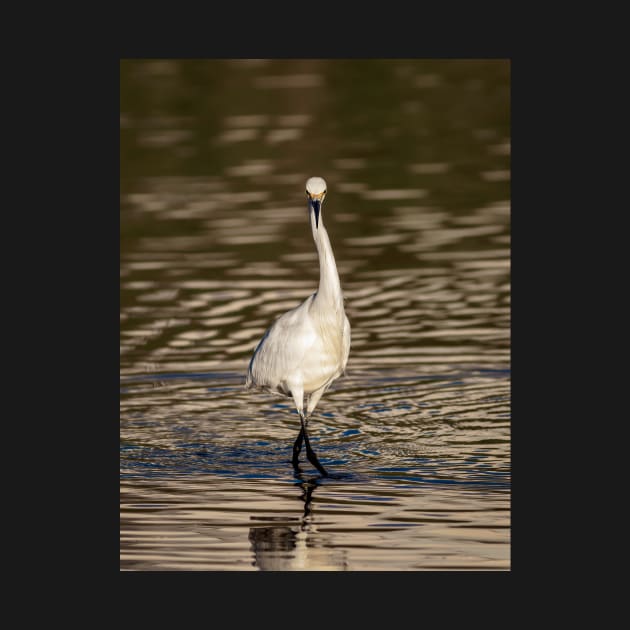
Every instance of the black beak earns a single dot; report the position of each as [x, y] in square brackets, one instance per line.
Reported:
[317, 204]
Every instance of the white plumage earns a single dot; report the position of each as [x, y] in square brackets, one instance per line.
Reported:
[307, 348]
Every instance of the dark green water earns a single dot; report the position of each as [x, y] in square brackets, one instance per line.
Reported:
[215, 243]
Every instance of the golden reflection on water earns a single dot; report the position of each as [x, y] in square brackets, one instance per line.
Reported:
[215, 243]
[264, 525]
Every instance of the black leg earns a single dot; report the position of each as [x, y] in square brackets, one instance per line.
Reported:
[310, 453]
[297, 447]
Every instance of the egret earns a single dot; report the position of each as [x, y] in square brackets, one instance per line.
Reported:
[307, 348]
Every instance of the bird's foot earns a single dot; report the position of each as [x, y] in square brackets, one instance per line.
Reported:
[313, 459]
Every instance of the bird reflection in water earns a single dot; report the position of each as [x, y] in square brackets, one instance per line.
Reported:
[298, 548]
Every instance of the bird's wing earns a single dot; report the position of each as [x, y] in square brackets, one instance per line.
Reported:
[283, 348]
[345, 343]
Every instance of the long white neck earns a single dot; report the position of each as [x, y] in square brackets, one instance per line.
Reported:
[329, 292]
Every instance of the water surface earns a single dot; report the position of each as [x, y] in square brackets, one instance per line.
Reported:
[215, 244]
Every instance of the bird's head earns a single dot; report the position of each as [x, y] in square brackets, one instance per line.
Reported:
[315, 193]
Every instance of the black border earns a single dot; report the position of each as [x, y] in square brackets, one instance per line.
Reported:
[77, 288]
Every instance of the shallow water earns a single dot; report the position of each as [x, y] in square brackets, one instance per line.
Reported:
[215, 244]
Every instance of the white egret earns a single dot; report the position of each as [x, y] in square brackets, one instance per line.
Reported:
[307, 348]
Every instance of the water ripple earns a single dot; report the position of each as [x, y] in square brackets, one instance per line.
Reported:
[215, 244]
